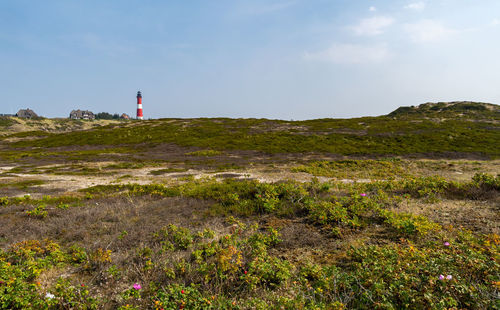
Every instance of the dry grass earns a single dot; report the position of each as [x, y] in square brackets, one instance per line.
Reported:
[100, 221]
[481, 216]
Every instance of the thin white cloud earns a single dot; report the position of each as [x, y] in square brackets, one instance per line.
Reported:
[341, 53]
[417, 6]
[495, 22]
[427, 30]
[372, 26]
[372, 9]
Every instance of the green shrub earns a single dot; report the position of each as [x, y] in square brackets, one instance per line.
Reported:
[401, 276]
[20, 265]
[487, 181]
[68, 296]
[4, 201]
[409, 224]
[176, 296]
[38, 212]
[173, 237]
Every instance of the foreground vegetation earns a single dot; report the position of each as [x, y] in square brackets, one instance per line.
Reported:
[417, 262]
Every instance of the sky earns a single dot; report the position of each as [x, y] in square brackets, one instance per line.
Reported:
[278, 59]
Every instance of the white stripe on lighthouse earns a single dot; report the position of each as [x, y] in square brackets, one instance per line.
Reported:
[139, 106]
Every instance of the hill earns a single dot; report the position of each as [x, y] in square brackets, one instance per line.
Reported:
[11, 125]
[462, 129]
[476, 110]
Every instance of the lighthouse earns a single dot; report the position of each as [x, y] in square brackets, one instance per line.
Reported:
[139, 105]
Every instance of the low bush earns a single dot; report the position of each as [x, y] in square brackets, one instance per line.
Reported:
[38, 212]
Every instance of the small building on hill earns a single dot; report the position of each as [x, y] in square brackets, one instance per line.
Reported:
[124, 116]
[26, 113]
[79, 114]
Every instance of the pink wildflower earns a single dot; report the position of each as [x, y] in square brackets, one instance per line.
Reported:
[137, 286]
[441, 277]
[449, 277]
[362, 194]
[446, 243]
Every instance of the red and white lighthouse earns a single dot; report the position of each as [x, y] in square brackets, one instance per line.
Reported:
[139, 105]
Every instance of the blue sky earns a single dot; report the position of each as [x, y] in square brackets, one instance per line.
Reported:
[286, 59]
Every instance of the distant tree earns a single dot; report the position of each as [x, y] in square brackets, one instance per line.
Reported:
[116, 116]
[104, 115]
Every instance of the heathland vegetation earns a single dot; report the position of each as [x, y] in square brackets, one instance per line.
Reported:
[389, 212]
[437, 132]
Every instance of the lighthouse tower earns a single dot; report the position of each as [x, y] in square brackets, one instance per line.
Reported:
[139, 105]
